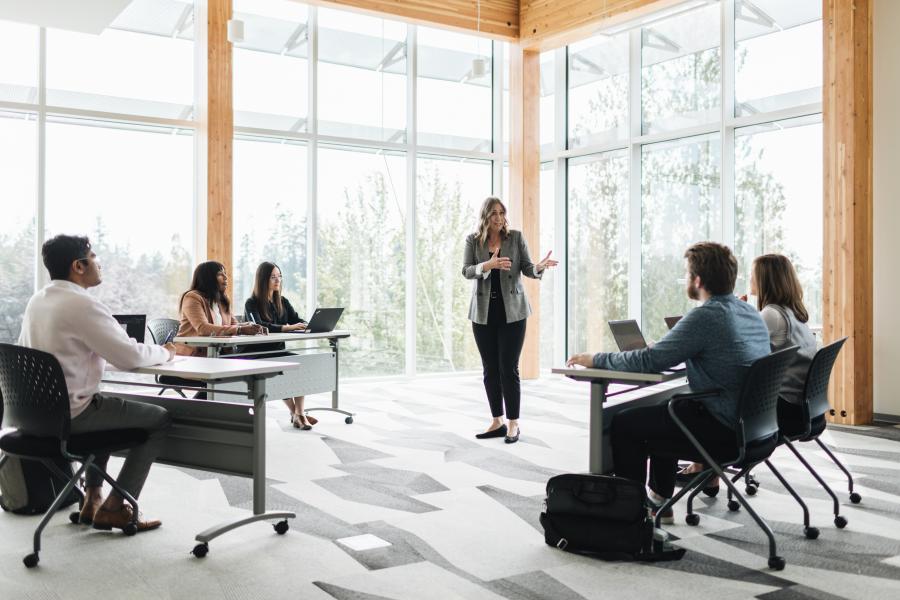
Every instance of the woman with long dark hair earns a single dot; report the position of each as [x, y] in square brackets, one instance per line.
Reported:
[268, 307]
[205, 309]
[496, 257]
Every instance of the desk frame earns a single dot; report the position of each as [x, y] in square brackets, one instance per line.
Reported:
[214, 345]
[256, 392]
[600, 380]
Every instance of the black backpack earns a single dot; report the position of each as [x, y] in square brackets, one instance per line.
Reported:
[602, 516]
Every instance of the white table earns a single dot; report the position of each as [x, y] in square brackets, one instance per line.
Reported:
[212, 370]
[601, 380]
[320, 369]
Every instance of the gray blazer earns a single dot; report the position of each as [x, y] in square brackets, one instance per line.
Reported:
[514, 299]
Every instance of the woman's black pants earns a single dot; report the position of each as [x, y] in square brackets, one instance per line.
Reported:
[500, 344]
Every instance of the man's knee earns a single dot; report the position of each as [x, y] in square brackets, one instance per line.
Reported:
[158, 420]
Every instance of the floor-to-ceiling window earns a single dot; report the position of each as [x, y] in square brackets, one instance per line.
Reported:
[701, 122]
[99, 142]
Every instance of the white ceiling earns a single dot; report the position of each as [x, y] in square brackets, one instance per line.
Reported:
[86, 16]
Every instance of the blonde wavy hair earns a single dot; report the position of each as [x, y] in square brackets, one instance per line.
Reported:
[484, 220]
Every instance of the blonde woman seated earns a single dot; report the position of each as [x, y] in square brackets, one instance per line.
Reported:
[273, 311]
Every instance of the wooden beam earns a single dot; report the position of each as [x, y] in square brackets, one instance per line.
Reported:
[499, 18]
[548, 24]
[219, 136]
[847, 260]
[524, 182]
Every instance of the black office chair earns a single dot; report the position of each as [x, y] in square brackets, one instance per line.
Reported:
[162, 330]
[36, 422]
[757, 437]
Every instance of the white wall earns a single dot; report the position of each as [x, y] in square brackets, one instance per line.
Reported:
[886, 181]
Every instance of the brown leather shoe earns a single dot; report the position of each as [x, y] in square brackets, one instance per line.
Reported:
[107, 519]
[86, 516]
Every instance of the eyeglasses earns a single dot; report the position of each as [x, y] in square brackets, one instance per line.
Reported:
[276, 277]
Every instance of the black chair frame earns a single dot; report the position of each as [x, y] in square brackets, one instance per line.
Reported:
[757, 424]
[37, 421]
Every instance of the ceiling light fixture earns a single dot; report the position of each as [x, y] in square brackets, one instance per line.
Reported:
[479, 65]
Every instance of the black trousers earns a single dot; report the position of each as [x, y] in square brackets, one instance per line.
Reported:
[500, 344]
[649, 431]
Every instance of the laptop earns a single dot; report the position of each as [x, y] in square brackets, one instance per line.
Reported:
[134, 325]
[628, 335]
[670, 321]
[323, 320]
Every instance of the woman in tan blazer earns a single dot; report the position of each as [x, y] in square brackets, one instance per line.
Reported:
[206, 310]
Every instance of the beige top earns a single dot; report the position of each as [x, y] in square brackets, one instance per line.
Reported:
[197, 319]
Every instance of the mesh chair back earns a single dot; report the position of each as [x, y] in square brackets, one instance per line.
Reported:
[816, 389]
[35, 398]
[757, 407]
[161, 329]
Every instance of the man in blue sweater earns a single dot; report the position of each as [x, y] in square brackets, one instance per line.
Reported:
[717, 341]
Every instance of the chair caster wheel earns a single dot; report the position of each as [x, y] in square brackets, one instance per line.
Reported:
[855, 498]
[31, 560]
[840, 522]
[281, 527]
[811, 533]
[712, 492]
[200, 550]
[751, 490]
[692, 519]
[777, 563]
[130, 529]
[74, 517]
[734, 505]
[348, 420]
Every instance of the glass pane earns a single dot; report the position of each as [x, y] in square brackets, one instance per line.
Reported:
[270, 216]
[271, 66]
[598, 249]
[121, 71]
[19, 47]
[18, 181]
[361, 260]
[598, 90]
[362, 77]
[680, 71]
[100, 182]
[548, 101]
[778, 54]
[548, 282]
[778, 201]
[449, 193]
[454, 92]
[680, 205]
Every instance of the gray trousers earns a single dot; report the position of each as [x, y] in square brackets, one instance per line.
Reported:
[108, 412]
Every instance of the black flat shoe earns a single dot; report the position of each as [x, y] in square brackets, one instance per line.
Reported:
[494, 433]
[512, 439]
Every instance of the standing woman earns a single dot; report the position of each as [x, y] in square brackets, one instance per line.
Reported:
[496, 257]
[274, 312]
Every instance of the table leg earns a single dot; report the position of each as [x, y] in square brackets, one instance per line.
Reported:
[257, 389]
[335, 395]
[211, 352]
[598, 396]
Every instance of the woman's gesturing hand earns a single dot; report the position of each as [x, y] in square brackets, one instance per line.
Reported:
[546, 263]
[497, 262]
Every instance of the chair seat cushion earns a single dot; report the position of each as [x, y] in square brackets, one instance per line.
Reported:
[97, 442]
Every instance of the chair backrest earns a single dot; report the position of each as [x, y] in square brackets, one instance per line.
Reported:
[758, 403]
[815, 391]
[160, 329]
[35, 397]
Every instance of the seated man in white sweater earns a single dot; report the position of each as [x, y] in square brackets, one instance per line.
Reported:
[79, 330]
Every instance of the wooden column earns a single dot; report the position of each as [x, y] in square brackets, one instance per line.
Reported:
[847, 261]
[219, 136]
[523, 198]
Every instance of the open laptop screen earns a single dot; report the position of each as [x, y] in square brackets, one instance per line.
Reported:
[134, 325]
[628, 335]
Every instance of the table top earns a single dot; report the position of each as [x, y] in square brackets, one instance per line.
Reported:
[195, 367]
[243, 340]
[619, 376]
